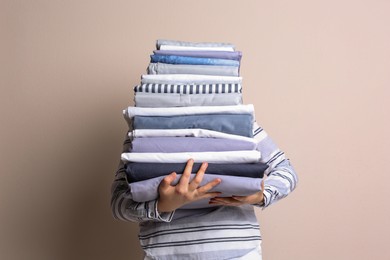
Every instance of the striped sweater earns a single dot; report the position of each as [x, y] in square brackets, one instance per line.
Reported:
[212, 233]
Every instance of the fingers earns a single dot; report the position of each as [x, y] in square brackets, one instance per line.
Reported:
[229, 201]
[166, 182]
[205, 188]
[199, 177]
[185, 178]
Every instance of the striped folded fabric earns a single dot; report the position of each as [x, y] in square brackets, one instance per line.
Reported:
[218, 88]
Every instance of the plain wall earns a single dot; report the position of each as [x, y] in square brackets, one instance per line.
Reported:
[316, 71]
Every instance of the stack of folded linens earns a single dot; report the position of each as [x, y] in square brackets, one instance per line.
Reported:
[189, 105]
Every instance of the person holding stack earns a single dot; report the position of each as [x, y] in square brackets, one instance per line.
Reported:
[195, 163]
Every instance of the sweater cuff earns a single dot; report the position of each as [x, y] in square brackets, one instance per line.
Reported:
[153, 213]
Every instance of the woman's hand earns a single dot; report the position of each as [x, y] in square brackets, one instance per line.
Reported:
[257, 198]
[173, 197]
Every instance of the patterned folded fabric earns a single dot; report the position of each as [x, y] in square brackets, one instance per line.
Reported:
[164, 68]
[190, 133]
[210, 157]
[130, 112]
[189, 79]
[230, 185]
[229, 55]
[145, 99]
[187, 144]
[160, 42]
[143, 171]
[220, 88]
[236, 124]
[172, 59]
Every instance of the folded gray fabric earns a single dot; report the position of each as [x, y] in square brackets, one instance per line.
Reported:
[188, 144]
[230, 185]
[145, 99]
[143, 171]
[189, 88]
[236, 124]
[231, 55]
[164, 68]
[160, 42]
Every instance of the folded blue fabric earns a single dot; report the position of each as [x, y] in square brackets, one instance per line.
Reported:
[172, 59]
[237, 124]
[143, 171]
[188, 144]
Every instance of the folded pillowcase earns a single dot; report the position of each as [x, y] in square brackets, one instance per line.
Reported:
[188, 144]
[230, 185]
[143, 171]
[188, 79]
[178, 111]
[172, 59]
[210, 157]
[237, 124]
[229, 55]
[188, 133]
[164, 68]
[142, 99]
[160, 42]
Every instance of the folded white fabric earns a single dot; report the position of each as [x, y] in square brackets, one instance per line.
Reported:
[193, 132]
[145, 99]
[196, 110]
[188, 79]
[211, 157]
[160, 42]
[194, 48]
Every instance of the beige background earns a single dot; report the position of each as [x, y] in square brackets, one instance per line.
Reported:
[316, 71]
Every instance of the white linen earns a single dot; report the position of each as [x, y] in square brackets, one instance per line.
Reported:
[195, 48]
[188, 79]
[211, 157]
[195, 110]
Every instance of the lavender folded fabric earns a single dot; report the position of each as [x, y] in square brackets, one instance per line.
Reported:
[188, 144]
[230, 185]
[236, 124]
[143, 171]
[229, 55]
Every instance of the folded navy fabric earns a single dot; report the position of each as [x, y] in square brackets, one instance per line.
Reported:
[229, 55]
[237, 124]
[187, 144]
[172, 59]
[143, 171]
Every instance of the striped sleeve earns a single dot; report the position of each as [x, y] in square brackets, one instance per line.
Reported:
[281, 177]
[122, 205]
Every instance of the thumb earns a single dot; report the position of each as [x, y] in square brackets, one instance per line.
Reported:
[262, 182]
